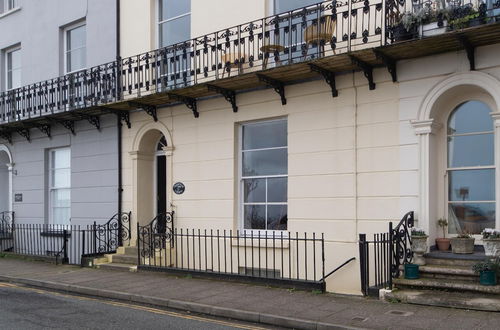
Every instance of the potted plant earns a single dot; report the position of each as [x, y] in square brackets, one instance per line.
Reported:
[462, 244]
[491, 241]
[462, 17]
[487, 271]
[418, 245]
[443, 244]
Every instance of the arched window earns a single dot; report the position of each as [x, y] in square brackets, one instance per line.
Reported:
[471, 169]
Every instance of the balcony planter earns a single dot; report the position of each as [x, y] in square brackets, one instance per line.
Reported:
[461, 245]
[433, 28]
[399, 33]
[412, 271]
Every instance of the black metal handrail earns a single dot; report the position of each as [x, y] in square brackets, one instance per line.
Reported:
[323, 29]
[339, 267]
[6, 222]
[112, 234]
[400, 237]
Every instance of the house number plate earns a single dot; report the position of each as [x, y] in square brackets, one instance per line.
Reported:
[179, 188]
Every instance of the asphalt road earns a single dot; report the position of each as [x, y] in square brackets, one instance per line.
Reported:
[29, 308]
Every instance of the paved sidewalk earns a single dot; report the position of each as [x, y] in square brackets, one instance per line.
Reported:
[254, 303]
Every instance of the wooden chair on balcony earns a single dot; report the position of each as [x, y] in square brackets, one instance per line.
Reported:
[319, 34]
[229, 59]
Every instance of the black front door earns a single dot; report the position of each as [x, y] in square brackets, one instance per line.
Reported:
[161, 184]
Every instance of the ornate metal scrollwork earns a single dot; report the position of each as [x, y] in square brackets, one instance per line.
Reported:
[156, 234]
[6, 224]
[401, 243]
[112, 234]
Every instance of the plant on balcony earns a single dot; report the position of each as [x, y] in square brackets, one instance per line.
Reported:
[463, 243]
[487, 270]
[443, 243]
[491, 241]
[462, 17]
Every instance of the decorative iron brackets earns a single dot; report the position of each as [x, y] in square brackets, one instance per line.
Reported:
[149, 109]
[25, 133]
[279, 86]
[122, 114]
[6, 136]
[188, 101]
[366, 68]
[329, 77]
[45, 129]
[228, 94]
[389, 62]
[470, 49]
[68, 124]
[94, 121]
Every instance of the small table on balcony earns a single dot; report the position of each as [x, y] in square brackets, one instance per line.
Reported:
[271, 49]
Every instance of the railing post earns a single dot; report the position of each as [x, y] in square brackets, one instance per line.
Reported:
[94, 229]
[65, 247]
[363, 263]
[391, 262]
[138, 246]
[83, 247]
[322, 261]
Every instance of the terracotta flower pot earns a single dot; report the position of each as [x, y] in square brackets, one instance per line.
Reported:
[443, 244]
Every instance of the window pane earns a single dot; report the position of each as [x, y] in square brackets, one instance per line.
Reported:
[470, 150]
[255, 216]
[470, 117]
[286, 5]
[14, 59]
[61, 158]
[61, 198]
[277, 217]
[472, 185]
[14, 79]
[265, 135]
[61, 216]
[61, 178]
[277, 190]
[265, 162]
[76, 59]
[76, 38]
[254, 190]
[173, 8]
[472, 218]
[175, 31]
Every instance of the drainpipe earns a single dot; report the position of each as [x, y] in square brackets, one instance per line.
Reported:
[118, 119]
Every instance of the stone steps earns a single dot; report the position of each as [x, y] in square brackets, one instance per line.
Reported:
[118, 267]
[123, 259]
[452, 273]
[446, 285]
[462, 300]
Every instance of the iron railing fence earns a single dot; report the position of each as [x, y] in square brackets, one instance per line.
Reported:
[282, 258]
[6, 223]
[381, 258]
[68, 243]
[324, 29]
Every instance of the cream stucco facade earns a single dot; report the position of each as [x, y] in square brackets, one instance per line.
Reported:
[355, 162]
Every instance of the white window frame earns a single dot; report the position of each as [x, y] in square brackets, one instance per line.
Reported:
[7, 70]
[241, 187]
[50, 188]
[66, 30]
[159, 22]
[449, 169]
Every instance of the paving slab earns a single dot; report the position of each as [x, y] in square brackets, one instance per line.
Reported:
[274, 306]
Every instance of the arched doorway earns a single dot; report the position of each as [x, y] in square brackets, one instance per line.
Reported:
[152, 173]
[5, 179]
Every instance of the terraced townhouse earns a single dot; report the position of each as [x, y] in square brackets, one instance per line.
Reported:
[262, 140]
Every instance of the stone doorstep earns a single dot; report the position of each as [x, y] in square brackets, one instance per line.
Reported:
[117, 267]
[462, 300]
[451, 262]
[453, 273]
[445, 284]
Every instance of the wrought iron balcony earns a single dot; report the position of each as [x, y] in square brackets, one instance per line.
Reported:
[320, 40]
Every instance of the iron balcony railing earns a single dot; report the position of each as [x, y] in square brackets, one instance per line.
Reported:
[324, 29]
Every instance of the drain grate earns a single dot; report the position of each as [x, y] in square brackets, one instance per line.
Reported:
[399, 313]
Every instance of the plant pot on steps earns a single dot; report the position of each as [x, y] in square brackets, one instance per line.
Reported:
[462, 245]
[488, 277]
[411, 271]
[419, 247]
[443, 244]
[491, 247]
